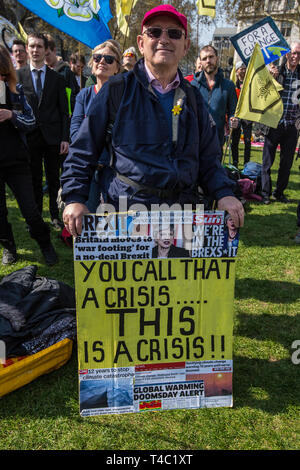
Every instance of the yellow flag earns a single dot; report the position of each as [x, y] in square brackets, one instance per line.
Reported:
[207, 7]
[260, 100]
[23, 33]
[123, 8]
[233, 74]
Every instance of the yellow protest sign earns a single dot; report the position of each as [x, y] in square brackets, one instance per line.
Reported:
[154, 316]
[259, 100]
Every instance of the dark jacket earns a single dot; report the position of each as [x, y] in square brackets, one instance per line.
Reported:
[13, 132]
[63, 69]
[280, 79]
[82, 104]
[140, 138]
[35, 312]
[81, 84]
[221, 100]
[51, 112]
[174, 252]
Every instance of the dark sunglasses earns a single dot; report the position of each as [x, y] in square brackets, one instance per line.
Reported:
[109, 59]
[156, 32]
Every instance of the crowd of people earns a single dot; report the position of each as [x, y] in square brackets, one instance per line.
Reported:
[162, 142]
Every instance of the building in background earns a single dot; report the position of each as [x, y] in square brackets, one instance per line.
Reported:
[221, 42]
[285, 13]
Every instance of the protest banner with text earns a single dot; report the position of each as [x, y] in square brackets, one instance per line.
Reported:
[154, 309]
[266, 34]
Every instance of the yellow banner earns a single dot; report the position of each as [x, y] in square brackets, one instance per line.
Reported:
[136, 312]
[259, 99]
[154, 312]
[124, 8]
[207, 7]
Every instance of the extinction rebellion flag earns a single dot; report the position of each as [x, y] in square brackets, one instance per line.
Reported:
[207, 7]
[260, 100]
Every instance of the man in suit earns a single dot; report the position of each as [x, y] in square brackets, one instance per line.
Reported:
[60, 66]
[45, 91]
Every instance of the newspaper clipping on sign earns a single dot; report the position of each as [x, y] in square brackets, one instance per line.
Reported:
[154, 296]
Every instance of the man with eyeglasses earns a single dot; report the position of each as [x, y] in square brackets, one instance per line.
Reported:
[164, 142]
[19, 53]
[286, 133]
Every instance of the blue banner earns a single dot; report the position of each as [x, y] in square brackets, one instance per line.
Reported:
[267, 35]
[84, 20]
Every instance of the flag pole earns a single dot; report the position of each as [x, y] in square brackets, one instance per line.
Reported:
[79, 54]
[227, 146]
[128, 25]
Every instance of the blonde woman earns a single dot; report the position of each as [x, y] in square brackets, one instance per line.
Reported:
[105, 62]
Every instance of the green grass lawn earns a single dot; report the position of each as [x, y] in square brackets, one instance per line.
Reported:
[44, 415]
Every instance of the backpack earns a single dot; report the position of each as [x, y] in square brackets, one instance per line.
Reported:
[252, 170]
[116, 90]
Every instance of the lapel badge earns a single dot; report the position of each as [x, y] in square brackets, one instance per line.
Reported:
[178, 107]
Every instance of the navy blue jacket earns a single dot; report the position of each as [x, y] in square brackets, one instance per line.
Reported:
[221, 100]
[83, 101]
[140, 139]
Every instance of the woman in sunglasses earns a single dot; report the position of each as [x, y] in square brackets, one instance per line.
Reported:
[105, 62]
[16, 117]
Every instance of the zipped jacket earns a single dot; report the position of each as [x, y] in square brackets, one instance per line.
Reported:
[141, 143]
[221, 100]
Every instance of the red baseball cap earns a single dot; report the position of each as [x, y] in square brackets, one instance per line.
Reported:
[168, 10]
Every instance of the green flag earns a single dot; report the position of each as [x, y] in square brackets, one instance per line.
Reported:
[259, 99]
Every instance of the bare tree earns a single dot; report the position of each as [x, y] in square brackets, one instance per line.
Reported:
[276, 8]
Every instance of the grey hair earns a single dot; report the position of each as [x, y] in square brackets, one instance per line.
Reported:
[294, 43]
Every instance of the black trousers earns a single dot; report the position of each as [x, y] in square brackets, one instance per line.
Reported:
[18, 178]
[246, 126]
[287, 138]
[41, 154]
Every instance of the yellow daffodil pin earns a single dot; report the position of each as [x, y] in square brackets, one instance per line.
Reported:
[177, 108]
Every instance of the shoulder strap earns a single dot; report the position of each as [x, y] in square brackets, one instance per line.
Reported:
[191, 96]
[116, 90]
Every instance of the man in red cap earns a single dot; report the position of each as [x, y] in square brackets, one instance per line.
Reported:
[164, 143]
